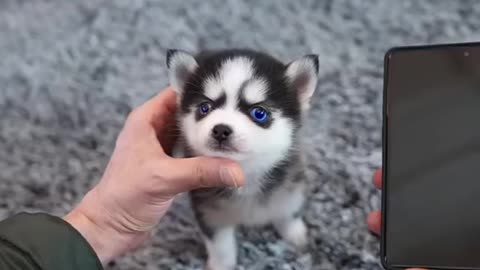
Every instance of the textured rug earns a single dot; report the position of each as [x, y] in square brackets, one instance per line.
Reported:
[70, 71]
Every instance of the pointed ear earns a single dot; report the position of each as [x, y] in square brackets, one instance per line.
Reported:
[302, 75]
[180, 66]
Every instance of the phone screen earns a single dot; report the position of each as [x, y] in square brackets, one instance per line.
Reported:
[432, 157]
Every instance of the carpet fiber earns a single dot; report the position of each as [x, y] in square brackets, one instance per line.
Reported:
[70, 71]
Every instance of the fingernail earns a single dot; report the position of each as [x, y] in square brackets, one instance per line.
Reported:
[227, 177]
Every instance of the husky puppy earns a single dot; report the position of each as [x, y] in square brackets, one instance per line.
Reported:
[246, 106]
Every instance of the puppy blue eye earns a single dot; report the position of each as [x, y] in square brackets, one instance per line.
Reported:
[204, 108]
[259, 114]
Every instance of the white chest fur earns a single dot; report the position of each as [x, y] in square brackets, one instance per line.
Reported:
[257, 209]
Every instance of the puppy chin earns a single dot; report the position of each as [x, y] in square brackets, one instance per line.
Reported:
[212, 150]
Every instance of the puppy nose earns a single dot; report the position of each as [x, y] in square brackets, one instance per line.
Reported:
[221, 132]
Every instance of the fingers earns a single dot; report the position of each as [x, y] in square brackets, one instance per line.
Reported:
[202, 172]
[374, 222]
[161, 110]
[164, 102]
[377, 178]
[374, 219]
[157, 112]
[154, 121]
[169, 134]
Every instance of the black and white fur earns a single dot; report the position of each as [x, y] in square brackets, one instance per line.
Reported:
[233, 82]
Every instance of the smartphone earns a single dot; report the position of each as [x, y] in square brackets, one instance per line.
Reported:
[431, 157]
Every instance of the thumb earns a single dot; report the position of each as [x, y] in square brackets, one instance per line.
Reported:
[202, 172]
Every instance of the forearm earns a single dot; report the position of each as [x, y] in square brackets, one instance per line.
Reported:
[41, 241]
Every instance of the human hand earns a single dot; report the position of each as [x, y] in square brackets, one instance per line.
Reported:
[374, 219]
[141, 181]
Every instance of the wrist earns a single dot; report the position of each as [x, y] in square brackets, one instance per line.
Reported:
[92, 233]
[107, 242]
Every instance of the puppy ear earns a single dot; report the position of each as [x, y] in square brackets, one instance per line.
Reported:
[302, 74]
[180, 66]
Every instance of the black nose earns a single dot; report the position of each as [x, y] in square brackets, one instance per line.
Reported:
[221, 132]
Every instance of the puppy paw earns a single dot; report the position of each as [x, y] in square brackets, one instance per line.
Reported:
[295, 232]
[222, 250]
[214, 264]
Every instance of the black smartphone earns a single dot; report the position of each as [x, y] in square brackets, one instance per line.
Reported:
[431, 157]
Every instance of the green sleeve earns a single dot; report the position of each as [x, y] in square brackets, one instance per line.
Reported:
[41, 242]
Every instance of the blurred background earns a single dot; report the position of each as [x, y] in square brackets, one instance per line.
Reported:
[70, 71]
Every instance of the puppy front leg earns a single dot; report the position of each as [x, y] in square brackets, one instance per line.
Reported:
[291, 226]
[293, 230]
[222, 249]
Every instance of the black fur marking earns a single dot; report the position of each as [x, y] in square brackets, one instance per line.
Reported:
[182, 73]
[314, 58]
[299, 176]
[220, 101]
[276, 176]
[170, 54]
[280, 94]
[202, 198]
[217, 103]
[190, 100]
[204, 227]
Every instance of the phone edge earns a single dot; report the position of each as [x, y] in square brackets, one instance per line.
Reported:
[386, 61]
[383, 256]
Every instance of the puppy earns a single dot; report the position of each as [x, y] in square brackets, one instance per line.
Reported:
[246, 106]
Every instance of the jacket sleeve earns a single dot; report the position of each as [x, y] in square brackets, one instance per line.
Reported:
[44, 242]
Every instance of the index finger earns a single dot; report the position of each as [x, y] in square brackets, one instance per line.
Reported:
[157, 112]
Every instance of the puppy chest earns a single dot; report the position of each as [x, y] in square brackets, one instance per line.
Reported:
[256, 210]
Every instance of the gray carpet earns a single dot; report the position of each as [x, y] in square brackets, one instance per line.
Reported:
[71, 70]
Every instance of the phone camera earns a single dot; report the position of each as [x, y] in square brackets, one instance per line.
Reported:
[466, 53]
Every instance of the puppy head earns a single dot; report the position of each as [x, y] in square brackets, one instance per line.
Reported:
[240, 104]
